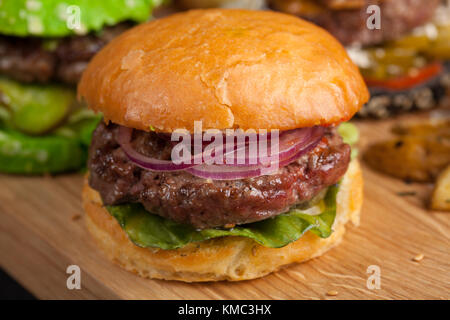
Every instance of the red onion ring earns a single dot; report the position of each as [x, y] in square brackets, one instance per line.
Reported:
[145, 162]
[290, 142]
[292, 145]
[227, 172]
[315, 138]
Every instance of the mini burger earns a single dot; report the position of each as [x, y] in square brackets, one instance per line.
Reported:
[44, 47]
[238, 71]
[405, 62]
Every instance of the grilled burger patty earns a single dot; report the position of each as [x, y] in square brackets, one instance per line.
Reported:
[33, 59]
[347, 21]
[202, 203]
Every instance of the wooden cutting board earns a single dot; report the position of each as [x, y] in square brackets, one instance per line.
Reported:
[42, 232]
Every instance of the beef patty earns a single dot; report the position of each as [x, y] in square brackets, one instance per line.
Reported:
[347, 21]
[204, 203]
[35, 60]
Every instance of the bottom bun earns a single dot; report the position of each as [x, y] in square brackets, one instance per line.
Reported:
[226, 258]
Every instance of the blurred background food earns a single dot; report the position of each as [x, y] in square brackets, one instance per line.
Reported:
[406, 65]
[243, 4]
[405, 62]
[419, 151]
[44, 48]
[441, 194]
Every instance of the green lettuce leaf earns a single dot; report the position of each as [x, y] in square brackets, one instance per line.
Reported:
[53, 18]
[149, 230]
[350, 135]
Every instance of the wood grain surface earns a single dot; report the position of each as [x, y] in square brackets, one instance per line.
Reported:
[42, 232]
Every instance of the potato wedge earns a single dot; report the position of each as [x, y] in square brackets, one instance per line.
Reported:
[441, 194]
[419, 152]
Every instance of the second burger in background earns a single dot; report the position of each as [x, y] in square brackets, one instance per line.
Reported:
[235, 72]
[44, 48]
[404, 62]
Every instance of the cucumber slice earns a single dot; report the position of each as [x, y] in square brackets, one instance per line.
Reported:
[22, 154]
[36, 109]
[64, 150]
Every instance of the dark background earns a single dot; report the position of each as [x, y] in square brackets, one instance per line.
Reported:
[11, 290]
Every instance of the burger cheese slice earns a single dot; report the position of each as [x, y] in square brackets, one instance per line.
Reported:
[237, 73]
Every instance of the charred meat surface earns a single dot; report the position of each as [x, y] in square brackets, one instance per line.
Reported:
[37, 60]
[184, 198]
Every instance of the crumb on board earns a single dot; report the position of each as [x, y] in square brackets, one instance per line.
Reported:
[254, 249]
[418, 257]
[332, 293]
[76, 217]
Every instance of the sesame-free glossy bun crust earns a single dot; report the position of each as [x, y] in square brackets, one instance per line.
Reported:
[226, 258]
[227, 68]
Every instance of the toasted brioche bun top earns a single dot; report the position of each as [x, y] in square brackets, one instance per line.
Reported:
[227, 68]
